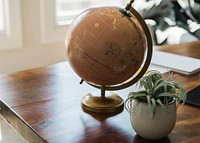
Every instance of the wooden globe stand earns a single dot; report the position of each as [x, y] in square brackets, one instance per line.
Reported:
[113, 103]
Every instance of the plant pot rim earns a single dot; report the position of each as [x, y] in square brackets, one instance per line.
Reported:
[171, 102]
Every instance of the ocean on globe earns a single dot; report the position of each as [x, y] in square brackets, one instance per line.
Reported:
[105, 46]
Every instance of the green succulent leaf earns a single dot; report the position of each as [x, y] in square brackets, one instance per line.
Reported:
[161, 104]
[153, 107]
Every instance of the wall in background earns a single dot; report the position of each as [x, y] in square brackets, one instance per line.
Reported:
[33, 52]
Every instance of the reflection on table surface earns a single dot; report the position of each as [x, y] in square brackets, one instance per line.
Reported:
[9, 134]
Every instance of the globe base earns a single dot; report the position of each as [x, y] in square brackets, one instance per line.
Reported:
[109, 104]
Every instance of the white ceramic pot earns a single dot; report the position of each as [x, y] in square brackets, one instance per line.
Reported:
[152, 128]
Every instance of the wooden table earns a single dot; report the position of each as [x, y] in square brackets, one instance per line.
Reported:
[43, 104]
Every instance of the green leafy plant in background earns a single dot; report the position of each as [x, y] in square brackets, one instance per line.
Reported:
[155, 90]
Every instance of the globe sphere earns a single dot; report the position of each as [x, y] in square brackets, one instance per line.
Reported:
[105, 46]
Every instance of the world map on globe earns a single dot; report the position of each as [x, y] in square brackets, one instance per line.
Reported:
[104, 46]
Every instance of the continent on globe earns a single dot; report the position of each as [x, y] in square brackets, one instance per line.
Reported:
[104, 46]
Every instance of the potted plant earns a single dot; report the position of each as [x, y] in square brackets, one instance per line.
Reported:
[153, 108]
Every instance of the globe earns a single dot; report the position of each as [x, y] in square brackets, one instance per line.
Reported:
[106, 46]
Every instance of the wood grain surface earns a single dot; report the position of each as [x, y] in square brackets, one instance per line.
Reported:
[44, 105]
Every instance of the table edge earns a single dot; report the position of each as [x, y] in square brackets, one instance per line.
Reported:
[19, 124]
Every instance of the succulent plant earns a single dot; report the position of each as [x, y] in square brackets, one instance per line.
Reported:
[155, 90]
